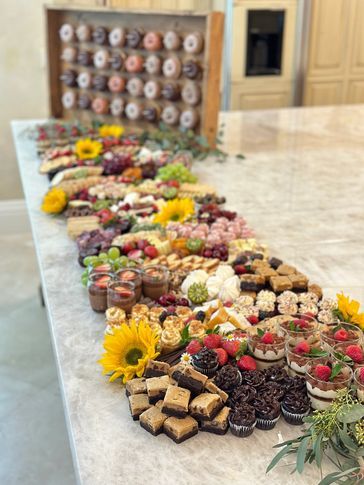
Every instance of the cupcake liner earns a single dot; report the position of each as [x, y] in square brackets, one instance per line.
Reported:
[266, 424]
[294, 418]
[241, 431]
[206, 372]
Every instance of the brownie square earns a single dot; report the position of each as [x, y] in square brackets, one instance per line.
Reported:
[253, 294]
[138, 403]
[192, 380]
[252, 282]
[299, 281]
[154, 368]
[205, 406]
[218, 425]
[176, 401]
[258, 263]
[180, 429]
[275, 262]
[175, 371]
[280, 283]
[157, 388]
[152, 420]
[285, 269]
[210, 386]
[136, 386]
[266, 272]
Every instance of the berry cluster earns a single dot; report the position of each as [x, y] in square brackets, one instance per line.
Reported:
[220, 251]
[211, 212]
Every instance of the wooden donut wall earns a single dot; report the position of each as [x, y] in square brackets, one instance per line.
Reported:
[208, 25]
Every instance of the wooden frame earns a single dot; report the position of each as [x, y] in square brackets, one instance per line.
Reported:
[210, 24]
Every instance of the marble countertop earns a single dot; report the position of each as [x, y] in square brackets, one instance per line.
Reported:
[300, 187]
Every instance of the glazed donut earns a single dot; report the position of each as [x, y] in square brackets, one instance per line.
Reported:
[152, 41]
[84, 80]
[100, 105]
[189, 118]
[172, 68]
[153, 64]
[99, 82]
[69, 99]
[101, 59]
[69, 77]
[151, 113]
[191, 93]
[171, 91]
[117, 106]
[135, 87]
[117, 60]
[133, 111]
[117, 37]
[170, 115]
[134, 63]
[100, 35]
[191, 69]
[134, 38]
[67, 33]
[69, 54]
[116, 84]
[83, 33]
[172, 41]
[193, 43]
[84, 101]
[152, 90]
[84, 58]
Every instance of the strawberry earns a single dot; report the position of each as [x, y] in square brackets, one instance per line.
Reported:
[151, 252]
[173, 183]
[123, 291]
[341, 335]
[361, 375]
[193, 347]
[142, 244]
[102, 282]
[355, 353]
[212, 341]
[240, 269]
[129, 246]
[102, 268]
[322, 372]
[135, 254]
[231, 347]
[300, 322]
[246, 362]
[253, 320]
[267, 338]
[302, 348]
[222, 355]
[228, 304]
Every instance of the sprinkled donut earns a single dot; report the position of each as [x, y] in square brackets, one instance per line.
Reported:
[116, 84]
[69, 77]
[69, 54]
[135, 87]
[100, 105]
[151, 113]
[99, 82]
[171, 91]
[172, 41]
[191, 69]
[134, 38]
[117, 60]
[100, 35]
[117, 37]
[172, 68]
[67, 33]
[117, 106]
[84, 58]
[84, 101]
[69, 100]
[152, 41]
[193, 43]
[153, 64]
[170, 115]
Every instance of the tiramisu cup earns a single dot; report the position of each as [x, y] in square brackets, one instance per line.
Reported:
[298, 354]
[300, 327]
[342, 332]
[267, 352]
[353, 354]
[359, 383]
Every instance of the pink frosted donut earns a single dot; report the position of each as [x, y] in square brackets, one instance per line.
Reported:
[172, 68]
[193, 43]
[170, 115]
[117, 37]
[189, 118]
[135, 87]
[153, 64]
[117, 106]
[134, 63]
[69, 54]
[100, 106]
[67, 33]
[84, 80]
[101, 59]
[134, 111]
[172, 41]
[83, 33]
[116, 84]
[152, 90]
[152, 41]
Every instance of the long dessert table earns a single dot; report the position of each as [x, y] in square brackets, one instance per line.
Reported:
[300, 187]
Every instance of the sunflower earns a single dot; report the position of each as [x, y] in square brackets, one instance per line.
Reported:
[176, 210]
[349, 310]
[128, 350]
[87, 149]
[54, 201]
[114, 131]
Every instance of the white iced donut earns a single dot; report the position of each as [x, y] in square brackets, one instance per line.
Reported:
[152, 90]
[69, 100]
[117, 37]
[133, 111]
[189, 118]
[191, 93]
[69, 54]
[84, 80]
[101, 59]
[153, 64]
[83, 33]
[193, 43]
[66, 33]
[117, 106]
[172, 68]
[172, 41]
[170, 115]
[135, 87]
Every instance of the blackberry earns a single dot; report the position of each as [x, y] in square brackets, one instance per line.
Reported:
[200, 315]
[163, 316]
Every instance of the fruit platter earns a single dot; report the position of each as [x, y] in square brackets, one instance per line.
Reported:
[205, 329]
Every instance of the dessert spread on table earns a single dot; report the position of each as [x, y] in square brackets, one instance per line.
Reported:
[206, 329]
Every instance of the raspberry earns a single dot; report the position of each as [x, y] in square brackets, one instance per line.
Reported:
[240, 269]
[341, 335]
[253, 320]
[322, 372]
[231, 347]
[222, 355]
[228, 304]
[247, 363]
[300, 322]
[361, 375]
[212, 341]
[302, 348]
[355, 353]
[193, 347]
[267, 338]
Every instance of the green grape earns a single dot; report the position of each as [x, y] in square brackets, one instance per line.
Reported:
[113, 253]
[116, 265]
[123, 261]
[84, 277]
[176, 171]
[89, 260]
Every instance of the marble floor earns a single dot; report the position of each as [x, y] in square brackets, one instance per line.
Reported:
[34, 442]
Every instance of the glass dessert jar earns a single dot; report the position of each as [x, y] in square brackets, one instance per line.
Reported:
[101, 268]
[299, 353]
[359, 383]
[300, 327]
[267, 352]
[121, 294]
[133, 275]
[324, 378]
[342, 332]
[155, 281]
[352, 354]
[97, 290]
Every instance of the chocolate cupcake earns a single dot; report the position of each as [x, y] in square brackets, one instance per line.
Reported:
[241, 395]
[295, 407]
[206, 362]
[275, 373]
[253, 378]
[267, 412]
[228, 378]
[295, 383]
[242, 421]
[271, 390]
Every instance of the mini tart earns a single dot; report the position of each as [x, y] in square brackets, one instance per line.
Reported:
[83, 32]
[153, 64]
[100, 105]
[193, 43]
[100, 35]
[172, 41]
[116, 84]
[228, 378]
[101, 59]
[267, 412]
[242, 420]
[170, 115]
[152, 41]
[67, 33]
[134, 63]
[117, 37]
[295, 406]
[267, 355]
[189, 118]
[172, 68]
[117, 106]
[191, 93]
[69, 54]
[69, 99]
